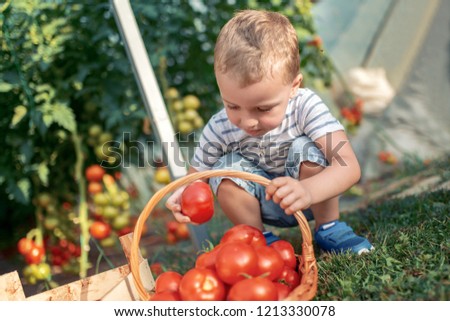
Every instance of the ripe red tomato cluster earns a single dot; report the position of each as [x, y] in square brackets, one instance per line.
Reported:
[176, 232]
[242, 267]
[109, 206]
[31, 251]
[354, 113]
[62, 253]
[387, 157]
[34, 254]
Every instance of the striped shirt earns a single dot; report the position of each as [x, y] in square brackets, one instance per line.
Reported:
[306, 114]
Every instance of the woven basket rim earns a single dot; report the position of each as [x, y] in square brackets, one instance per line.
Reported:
[307, 288]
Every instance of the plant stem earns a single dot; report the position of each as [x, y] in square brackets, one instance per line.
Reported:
[102, 255]
[83, 207]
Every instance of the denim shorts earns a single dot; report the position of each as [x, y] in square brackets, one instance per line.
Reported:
[302, 149]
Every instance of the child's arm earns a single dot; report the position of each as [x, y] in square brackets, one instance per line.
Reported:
[343, 172]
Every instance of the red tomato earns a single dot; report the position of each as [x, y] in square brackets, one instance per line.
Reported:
[197, 202]
[35, 254]
[95, 188]
[182, 231]
[235, 260]
[94, 173]
[245, 233]
[286, 250]
[208, 259]
[100, 230]
[171, 226]
[166, 296]
[125, 230]
[289, 277]
[200, 284]
[270, 262]
[171, 238]
[156, 268]
[24, 245]
[254, 289]
[283, 290]
[168, 281]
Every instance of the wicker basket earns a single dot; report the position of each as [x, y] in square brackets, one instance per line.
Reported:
[307, 288]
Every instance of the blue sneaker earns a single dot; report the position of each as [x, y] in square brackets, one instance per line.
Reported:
[338, 237]
[270, 237]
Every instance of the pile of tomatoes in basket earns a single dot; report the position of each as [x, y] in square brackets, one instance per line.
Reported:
[242, 267]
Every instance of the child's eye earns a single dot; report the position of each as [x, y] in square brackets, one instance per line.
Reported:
[232, 107]
[264, 110]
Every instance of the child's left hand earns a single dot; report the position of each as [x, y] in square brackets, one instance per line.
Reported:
[290, 193]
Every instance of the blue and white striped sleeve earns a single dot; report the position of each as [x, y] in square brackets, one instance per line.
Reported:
[211, 147]
[316, 119]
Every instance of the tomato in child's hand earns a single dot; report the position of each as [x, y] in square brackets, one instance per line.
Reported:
[197, 202]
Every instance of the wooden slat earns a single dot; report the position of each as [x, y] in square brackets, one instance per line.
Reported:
[116, 284]
[146, 275]
[10, 287]
[92, 288]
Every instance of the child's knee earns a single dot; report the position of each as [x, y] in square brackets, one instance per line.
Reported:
[227, 187]
[308, 169]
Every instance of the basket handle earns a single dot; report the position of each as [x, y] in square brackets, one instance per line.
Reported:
[309, 262]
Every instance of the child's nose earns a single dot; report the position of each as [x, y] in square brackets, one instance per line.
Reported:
[250, 122]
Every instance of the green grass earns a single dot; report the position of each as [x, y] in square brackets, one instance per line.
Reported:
[411, 260]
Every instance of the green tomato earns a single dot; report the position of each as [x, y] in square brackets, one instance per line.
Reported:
[110, 212]
[120, 222]
[108, 242]
[42, 271]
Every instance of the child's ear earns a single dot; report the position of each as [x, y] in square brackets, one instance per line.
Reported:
[296, 84]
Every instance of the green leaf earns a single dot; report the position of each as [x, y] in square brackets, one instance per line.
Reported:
[19, 112]
[43, 173]
[5, 6]
[24, 190]
[5, 87]
[64, 116]
[48, 120]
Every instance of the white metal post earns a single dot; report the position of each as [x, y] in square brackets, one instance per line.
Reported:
[152, 97]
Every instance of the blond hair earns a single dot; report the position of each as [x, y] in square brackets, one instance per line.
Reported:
[256, 44]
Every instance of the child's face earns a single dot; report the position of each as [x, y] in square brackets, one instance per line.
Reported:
[257, 108]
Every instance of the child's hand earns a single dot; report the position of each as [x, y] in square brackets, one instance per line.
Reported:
[290, 193]
[173, 203]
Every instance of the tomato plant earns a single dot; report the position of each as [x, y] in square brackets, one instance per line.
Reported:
[197, 202]
[200, 284]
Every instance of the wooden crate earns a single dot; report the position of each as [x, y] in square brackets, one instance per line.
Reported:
[113, 285]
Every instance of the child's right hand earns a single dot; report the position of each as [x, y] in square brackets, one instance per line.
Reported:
[173, 203]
